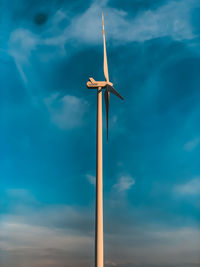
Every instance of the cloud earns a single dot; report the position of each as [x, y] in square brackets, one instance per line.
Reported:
[50, 234]
[191, 187]
[21, 43]
[155, 246]
[124, 183]
[20, 46]
[39, 235]
[41, 246]
[91, 179]
[110, 263]
[171, 20]
[66, 112]
[28, 235]
[191, 144]
[20, 195]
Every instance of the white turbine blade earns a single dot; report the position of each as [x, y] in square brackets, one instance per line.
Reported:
[105, 63]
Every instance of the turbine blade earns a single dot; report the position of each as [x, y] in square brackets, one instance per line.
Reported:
[107, 98]
[105, 63]
[113, 91]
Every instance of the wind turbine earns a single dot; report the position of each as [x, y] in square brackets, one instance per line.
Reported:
[108, 87]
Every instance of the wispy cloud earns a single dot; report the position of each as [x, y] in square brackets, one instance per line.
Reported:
[171, 20]
[21, 195]
[66, 112]
[21, 43]
[189, 146]
[191, 187]
[20, 46]
[124, 183]
[91, 179]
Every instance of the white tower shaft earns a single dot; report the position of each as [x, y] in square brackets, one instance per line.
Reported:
[99, 258]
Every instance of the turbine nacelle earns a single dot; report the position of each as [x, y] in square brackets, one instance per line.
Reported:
[108, 86]
[92, 84]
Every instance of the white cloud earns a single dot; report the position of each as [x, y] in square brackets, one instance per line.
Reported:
[172, 19]
[66, 112]
[21, 43]
[124, 183]
[191, 187]
[191, 144]
[91, 179]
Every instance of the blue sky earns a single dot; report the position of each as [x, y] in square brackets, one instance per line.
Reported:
[48, 49]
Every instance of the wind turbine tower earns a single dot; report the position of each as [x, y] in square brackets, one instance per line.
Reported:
[108, 88]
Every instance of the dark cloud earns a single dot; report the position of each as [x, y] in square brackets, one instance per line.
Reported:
[40, 18]
[23, 10]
